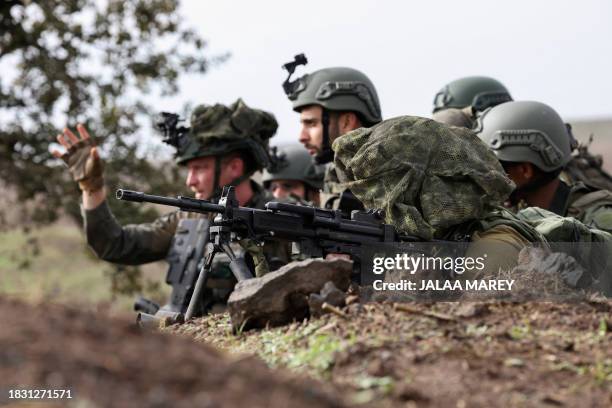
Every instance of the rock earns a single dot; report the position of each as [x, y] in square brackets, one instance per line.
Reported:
[281, 296]
[330, 294]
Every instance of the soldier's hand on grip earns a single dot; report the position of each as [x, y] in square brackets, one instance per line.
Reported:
[82, 159]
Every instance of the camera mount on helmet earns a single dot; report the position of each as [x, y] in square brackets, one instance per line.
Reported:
[172, 134]
[293, 87]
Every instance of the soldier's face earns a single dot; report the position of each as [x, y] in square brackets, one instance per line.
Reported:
[283, 188]
[201, 176]
[311, 132]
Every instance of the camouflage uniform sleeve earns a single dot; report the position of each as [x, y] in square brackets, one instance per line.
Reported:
[130, 244]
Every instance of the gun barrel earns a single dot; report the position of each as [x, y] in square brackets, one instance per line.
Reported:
[184, 203]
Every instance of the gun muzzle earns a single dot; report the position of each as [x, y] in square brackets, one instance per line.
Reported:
[129, 195]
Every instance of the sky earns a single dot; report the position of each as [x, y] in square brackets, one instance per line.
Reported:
[556, 52]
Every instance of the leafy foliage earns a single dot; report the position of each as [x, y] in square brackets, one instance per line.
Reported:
[95, 63]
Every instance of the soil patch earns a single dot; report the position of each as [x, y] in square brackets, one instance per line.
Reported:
[111, 363]
[443, 354]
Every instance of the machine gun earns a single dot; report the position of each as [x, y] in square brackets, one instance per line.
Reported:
[317, 231]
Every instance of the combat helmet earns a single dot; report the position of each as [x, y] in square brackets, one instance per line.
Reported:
[218, 130]
[526, 131]
[294, 163]
[334, 89]
[479, 92]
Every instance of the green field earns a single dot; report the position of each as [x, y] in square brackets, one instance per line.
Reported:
[53, 263]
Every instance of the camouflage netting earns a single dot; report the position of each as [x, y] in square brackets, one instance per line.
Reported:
[219, 129]
[425, 175]
[232, 122]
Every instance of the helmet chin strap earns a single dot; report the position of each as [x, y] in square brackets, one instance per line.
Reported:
[218, 190]
[326, 154]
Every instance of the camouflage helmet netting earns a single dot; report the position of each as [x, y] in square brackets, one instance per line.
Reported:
[218, 130]
[425, 175]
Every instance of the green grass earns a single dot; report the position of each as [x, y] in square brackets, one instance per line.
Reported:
[53, 263]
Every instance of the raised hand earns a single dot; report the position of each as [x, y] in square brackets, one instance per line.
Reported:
[82, 159]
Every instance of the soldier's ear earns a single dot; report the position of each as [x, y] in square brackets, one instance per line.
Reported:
[528, 171]
[236, 165]
[348, 121]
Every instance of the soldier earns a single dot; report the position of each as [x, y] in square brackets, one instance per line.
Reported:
[332, 102]
[295, 176]
[434, 182]
[459, 102]
[533, 145]
[224, 146]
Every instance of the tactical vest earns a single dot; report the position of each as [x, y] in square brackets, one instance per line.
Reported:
[184, 256]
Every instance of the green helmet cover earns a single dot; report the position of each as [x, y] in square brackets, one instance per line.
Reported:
[294, 163]
[526, 131]
[217, 130]
[338, 89]
[479, 92]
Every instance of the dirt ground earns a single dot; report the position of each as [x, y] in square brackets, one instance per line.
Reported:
[445, 354]
[110, 363]
[377, 354]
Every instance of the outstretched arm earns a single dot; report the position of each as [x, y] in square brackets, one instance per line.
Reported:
[85, 165]
[130, 244]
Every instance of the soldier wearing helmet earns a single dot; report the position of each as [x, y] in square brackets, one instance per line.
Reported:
[331, 102]
[459, 102]
[533, 145]
[294, 176]
[224, 146]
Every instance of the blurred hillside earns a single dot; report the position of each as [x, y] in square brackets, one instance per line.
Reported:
[53, 263]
